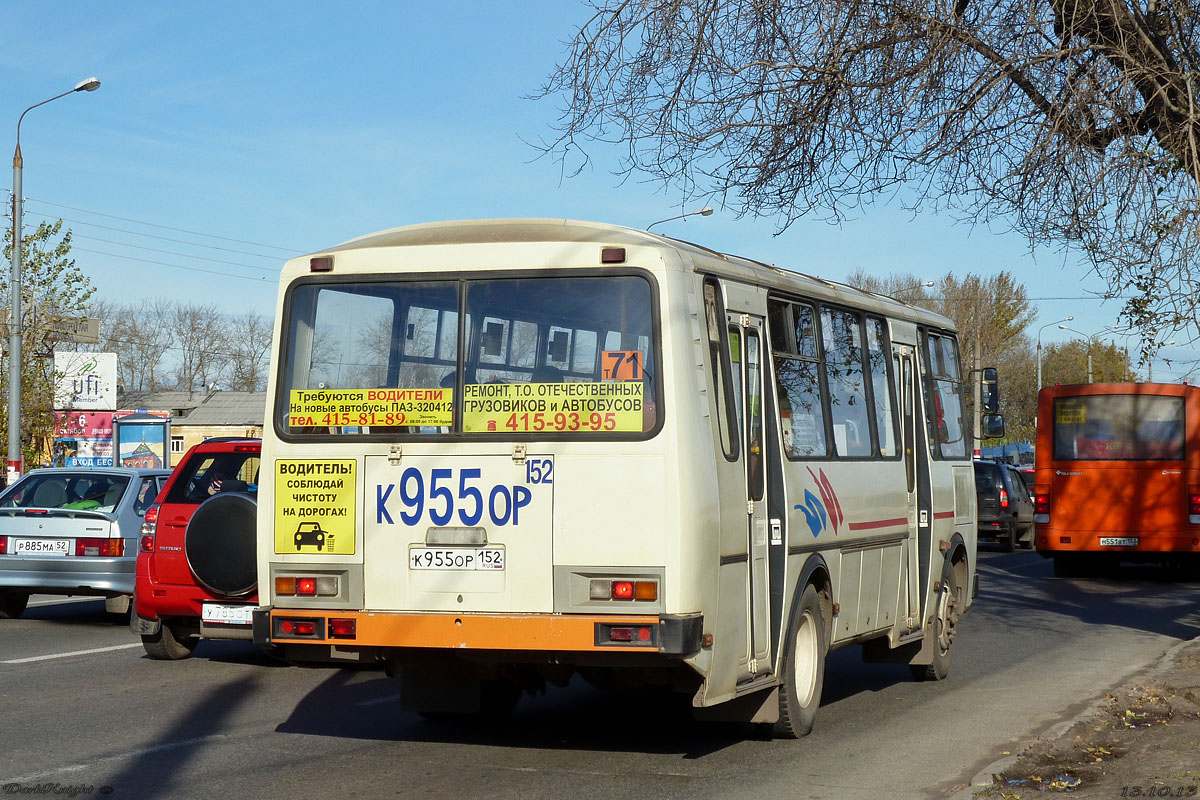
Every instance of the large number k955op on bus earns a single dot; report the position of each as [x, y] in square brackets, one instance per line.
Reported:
[534, 448]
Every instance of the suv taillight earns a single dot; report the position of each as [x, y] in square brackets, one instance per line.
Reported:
[1041, 504]
[1004, 498]
[149, 528]
[150, 521]
[1193, 505]
[3, 545]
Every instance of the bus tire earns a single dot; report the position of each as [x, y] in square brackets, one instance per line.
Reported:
[13, 604]
[945, 622]
[803, 668]
[166, 646]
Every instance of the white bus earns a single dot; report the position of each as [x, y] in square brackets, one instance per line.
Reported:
[502, 452]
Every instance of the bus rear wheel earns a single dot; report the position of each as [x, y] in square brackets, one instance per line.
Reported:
[804, 667]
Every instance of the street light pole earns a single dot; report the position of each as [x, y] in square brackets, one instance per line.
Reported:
[15, 331]
[1039, 346]
[1090, 341]
[704, 212]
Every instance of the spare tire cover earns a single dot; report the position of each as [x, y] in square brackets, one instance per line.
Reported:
[220, 544]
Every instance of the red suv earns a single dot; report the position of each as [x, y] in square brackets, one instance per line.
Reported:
[196, 566]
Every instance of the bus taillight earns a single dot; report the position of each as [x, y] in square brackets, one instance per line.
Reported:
[1194, 505]
[1041, 504]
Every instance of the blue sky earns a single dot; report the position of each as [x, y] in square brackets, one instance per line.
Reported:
[302, 125]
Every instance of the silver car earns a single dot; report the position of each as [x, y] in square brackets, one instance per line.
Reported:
[73, 531]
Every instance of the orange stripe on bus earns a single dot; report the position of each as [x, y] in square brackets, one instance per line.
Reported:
[467, 631]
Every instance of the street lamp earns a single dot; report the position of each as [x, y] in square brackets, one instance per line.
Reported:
[15, 331]
[1039, 347]
[924, 285]
[1090, 340]
[704, 212]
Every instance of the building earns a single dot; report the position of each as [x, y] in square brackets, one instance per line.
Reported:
[196, 416]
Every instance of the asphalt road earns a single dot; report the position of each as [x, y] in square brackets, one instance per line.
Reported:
[83, 707]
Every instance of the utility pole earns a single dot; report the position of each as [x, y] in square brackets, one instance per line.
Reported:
[978, 373]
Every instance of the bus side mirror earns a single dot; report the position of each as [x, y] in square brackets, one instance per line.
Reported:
[991, 392]
[993, 426]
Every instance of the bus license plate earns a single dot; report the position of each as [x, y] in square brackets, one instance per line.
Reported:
[1118, 541]
[226, 614]
[456, 558]
[41, 547]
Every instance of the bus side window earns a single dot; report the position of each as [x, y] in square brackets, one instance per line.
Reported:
[714, 314]
[944, 390]
[845, 377]
[797, 382]
[883, 391]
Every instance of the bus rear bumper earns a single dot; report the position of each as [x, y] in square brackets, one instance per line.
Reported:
[670, 634]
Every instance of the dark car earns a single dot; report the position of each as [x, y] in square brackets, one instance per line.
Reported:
[1004, 507]
[196, 567]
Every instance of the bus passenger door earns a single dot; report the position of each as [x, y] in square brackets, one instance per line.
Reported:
[748, 367]
[916, 464]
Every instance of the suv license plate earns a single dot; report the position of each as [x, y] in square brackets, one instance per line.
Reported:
[1118, 541]
[227, 614]
[41, 547]
[456, 558]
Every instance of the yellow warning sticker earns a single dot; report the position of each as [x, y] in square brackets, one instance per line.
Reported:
[1071, 413]
[376, 408]
[552, 407]
[314, 507]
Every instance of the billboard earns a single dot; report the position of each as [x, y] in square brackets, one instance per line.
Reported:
[83, 439]
[85, 381]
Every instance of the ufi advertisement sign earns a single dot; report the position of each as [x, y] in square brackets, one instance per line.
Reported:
[85, 381]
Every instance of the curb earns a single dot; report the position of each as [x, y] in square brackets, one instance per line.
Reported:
[984, 779]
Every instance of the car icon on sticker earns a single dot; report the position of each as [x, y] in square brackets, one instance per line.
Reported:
[310, 533]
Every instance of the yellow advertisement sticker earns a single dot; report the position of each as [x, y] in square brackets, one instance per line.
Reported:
[1071, 414]
[376, 408]
[314, 507]
[552, 407]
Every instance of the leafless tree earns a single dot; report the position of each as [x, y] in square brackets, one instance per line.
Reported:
[141, 335]
[249, 342]
[202, 346]
[1072, 121]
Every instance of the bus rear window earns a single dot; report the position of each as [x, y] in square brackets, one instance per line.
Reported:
[1118, 428]
[531, 356]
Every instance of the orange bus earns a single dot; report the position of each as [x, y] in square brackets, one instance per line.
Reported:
[1117, 474]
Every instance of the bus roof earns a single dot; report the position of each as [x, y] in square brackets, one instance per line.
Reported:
[498, 231]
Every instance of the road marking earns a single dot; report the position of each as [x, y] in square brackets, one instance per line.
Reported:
[119, 757]
[31, 659]
[391, 698]
[66, 600]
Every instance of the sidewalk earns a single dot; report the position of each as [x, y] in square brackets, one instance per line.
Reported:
[1141, 740]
